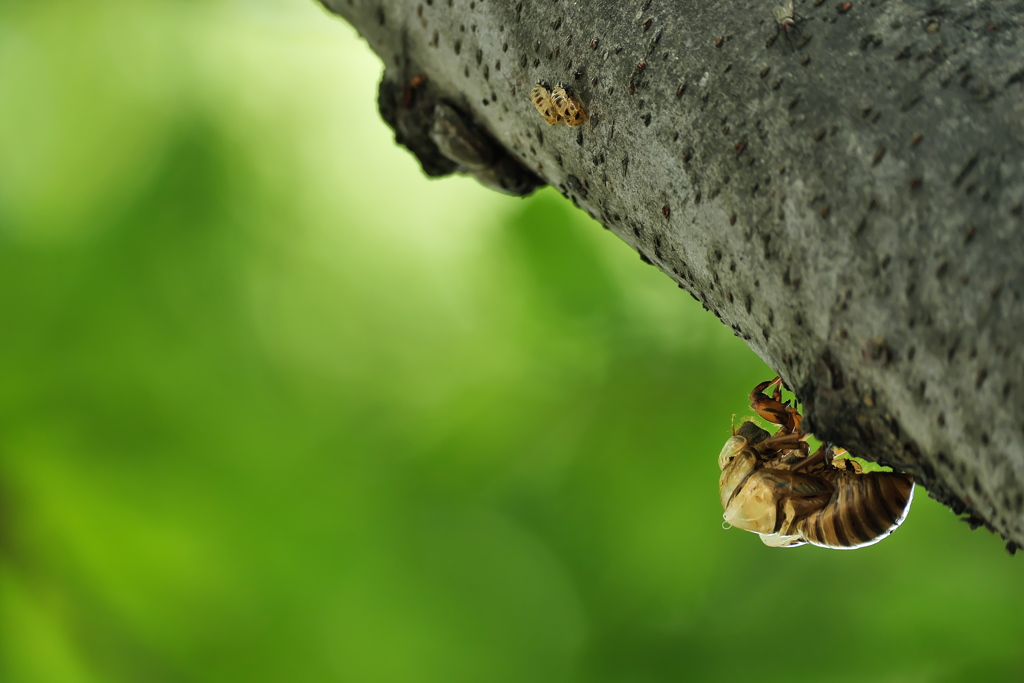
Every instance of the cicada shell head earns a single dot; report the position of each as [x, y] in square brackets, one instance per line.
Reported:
[730, 450]
[741, 464]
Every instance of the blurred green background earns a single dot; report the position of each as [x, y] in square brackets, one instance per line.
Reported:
[275, 407]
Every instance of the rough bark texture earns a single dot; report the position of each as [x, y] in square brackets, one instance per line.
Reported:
[846, 197]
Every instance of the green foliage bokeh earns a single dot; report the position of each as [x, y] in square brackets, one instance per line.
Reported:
[274, 407]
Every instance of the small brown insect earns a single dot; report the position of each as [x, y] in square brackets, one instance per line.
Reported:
[541, 98]
[845, 7]
[409, 89]
[772, 487]
[567, 107]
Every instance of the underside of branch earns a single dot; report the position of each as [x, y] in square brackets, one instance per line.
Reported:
[844, 191]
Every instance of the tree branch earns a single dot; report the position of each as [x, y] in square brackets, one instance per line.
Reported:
[846, 197]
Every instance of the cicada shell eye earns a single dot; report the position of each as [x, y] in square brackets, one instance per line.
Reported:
[731, 448]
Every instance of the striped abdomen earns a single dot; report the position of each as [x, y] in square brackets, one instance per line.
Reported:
[567, 107]
[541, 99]
[864, 509]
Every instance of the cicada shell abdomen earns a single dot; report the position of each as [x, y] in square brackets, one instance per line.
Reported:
[864, 509]
[542, 100]
[567, 107]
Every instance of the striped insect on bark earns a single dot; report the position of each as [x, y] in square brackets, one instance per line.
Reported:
[772, 486]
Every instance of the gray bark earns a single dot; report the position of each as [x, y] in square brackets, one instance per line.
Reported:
[846, 197]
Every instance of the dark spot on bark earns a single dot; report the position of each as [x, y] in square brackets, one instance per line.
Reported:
[968, 167]
[879, 155]
[876, 351]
